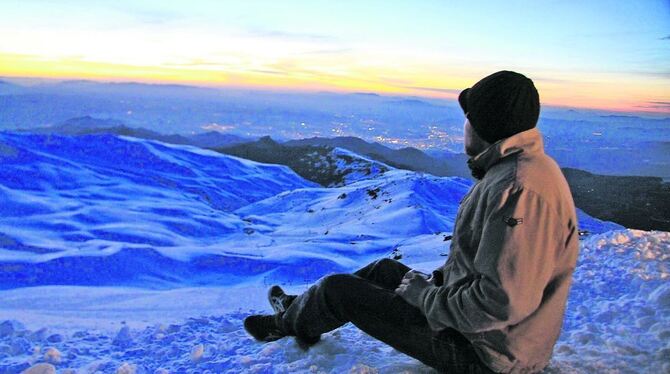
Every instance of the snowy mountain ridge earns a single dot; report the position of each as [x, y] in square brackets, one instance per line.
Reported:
[325, 165]
[354, 167]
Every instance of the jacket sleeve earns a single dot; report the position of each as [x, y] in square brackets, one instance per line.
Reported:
[512, 266]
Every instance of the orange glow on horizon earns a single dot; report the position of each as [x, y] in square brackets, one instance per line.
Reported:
[587, 92]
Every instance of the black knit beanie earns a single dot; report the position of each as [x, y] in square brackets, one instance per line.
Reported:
[501, 105]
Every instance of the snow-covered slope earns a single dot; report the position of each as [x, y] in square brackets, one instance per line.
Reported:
[363, 220]
[350, 166]
[120, 209]
[81, 213]
[617, 321]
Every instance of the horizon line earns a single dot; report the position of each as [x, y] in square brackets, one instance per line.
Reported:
[657, 114]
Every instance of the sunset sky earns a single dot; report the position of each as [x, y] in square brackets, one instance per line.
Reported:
[598, 54]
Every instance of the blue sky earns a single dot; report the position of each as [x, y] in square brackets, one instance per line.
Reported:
[579, 51]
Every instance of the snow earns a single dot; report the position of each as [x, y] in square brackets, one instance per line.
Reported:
[619, 309]
[68, 201]
[130, 256]
[356, 167]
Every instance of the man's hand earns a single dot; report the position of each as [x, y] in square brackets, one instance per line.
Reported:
[411, 286]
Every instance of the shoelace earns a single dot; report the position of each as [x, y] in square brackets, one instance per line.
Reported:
[278, 305]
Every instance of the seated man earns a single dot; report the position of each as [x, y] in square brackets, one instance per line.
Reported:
[497, 304]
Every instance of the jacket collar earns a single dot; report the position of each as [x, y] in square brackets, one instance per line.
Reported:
[529, 141]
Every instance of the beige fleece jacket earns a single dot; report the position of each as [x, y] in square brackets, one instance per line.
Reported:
[513, 252]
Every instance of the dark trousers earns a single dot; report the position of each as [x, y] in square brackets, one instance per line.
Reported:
[367, 299]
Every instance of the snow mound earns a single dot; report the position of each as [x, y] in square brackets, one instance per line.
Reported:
[618, 316]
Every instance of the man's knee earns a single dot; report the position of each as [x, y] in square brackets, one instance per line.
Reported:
[335, 283]
[337, 293]
[386, 262]
[387, 267]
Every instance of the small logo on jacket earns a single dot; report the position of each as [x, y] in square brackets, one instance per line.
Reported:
[511, 221]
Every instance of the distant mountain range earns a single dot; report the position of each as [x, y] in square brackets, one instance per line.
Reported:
[88, 125]
[8, 88]
[632, 201]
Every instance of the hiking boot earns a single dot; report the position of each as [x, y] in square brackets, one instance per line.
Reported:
[263, 327]
[278, 299]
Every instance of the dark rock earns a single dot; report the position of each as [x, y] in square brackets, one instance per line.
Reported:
[10, 327]
[55, 338]
[123, 338]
